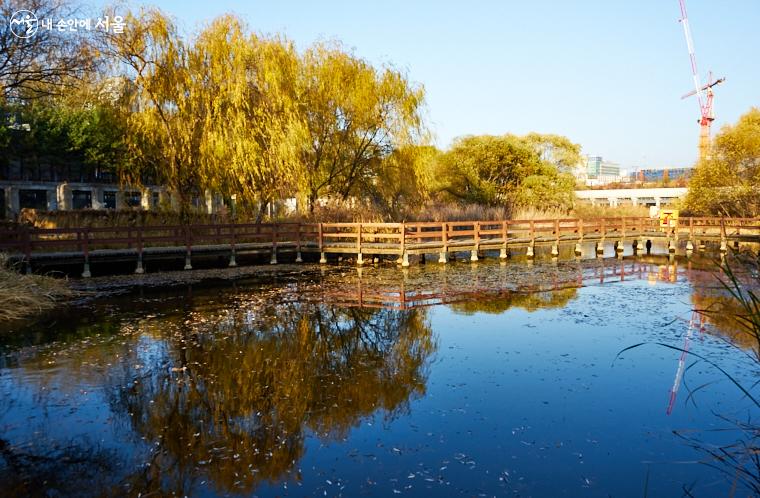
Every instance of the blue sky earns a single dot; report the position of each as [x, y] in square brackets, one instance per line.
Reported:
[608, 74]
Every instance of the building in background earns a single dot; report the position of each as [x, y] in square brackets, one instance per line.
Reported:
[601, 172]
[661, 175]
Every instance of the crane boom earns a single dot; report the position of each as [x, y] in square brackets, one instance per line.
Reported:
[692, 56]
[709, 85]
[704, 93]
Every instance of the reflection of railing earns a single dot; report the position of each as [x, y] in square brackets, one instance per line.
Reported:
[366, 293]
[360, 239]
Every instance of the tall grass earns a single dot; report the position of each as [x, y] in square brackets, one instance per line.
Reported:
[589, 211]
[744, 288]
[23, 296]
[330, 212]
[112, 218]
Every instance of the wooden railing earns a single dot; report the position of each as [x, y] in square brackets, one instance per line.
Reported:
[359, 238]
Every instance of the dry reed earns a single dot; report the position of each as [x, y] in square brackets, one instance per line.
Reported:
[23, 296]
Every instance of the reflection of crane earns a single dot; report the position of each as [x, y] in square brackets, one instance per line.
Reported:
[704, 93]
[682, 360]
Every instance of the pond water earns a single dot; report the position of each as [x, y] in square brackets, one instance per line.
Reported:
[465, 379]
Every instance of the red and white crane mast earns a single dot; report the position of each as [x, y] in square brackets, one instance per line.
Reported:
[707, 115]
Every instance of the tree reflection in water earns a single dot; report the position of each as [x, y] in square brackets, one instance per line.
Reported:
[225, 386]
[232, 398]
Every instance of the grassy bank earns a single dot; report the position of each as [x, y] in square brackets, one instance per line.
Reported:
[23, 296]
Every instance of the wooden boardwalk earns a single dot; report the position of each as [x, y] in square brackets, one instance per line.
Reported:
[359, 240]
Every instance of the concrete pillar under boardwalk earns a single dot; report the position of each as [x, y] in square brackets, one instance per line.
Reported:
[689, 245]
[359, 259]
[529, 252]
[474, 255]
[443, 257]
[405, 259]
[671, 246]
[555, 250]
[322, 258]
[233, 262]
[600, 248]
[299, 259]
[139, 269]
[578, 249]
[86, 270]
[503, 253]
[273, 261]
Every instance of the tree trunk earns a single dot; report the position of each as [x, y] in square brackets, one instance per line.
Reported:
[262, 209]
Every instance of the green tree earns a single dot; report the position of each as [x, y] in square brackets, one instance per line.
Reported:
[486, 169]
[510, 171]
[556, 150]
[727, 182]
[86, 127]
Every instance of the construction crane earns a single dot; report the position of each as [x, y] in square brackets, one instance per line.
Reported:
[704, 93]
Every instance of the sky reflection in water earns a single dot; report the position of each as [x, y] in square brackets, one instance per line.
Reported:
[458, 380]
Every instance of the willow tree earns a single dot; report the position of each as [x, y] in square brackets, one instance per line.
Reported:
[404, 180]
[254, 132]
[355, 116]
[166, 125]
[727, 182]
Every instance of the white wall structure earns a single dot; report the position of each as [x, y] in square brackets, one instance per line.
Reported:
[631, 196]
[60, 195]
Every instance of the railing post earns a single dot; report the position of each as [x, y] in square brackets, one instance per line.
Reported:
[188, 248]
[503, 252]
[299, 259]
[139, 269]
[322, 258]
[27, 249]
[602, 235]
[555, 246]
[690, 242]
[273, 261]
[474, 252]
[443, 257]
[723, 239]
[529, 253]
[404, 255]
[621, 243]
[233, 261]
[86, 249]
[359, 259]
